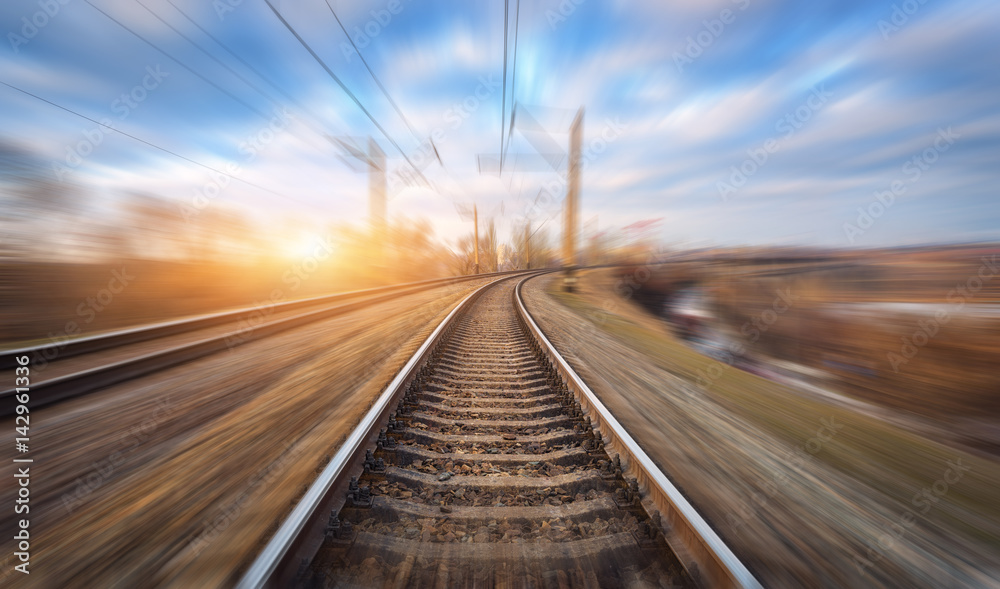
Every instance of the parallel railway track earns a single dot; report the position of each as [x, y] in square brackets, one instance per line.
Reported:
[488, 463]
[198, 337]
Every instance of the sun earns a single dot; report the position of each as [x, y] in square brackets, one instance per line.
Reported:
[300, 246]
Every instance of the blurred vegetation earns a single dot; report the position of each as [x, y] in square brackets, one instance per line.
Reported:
[62, 245]
[854, 319]
[885, 461]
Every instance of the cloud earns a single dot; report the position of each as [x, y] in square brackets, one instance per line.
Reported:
[685, 130]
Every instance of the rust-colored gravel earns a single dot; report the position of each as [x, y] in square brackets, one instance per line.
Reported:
[438, 507]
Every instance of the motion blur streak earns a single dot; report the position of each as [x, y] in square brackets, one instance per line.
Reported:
[772, 227]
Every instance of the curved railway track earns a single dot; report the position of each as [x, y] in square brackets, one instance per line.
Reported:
[479, 467]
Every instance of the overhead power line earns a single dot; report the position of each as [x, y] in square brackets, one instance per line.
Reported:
[503, 99]
[153, 145]
[242, 78]
[513, 87]
[209, 55]
[249, 66]
[179, 62]
[374, 77]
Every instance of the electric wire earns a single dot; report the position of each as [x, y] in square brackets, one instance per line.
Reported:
[513, 86]
[316, 118]
[242, 78]
[503, 99]
[203, 78]
[209, 55]
[344, 88]
[374, 77]
[153, 145]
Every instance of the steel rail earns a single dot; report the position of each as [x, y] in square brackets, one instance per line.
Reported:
[702, 552]
[300, 535]
[47, 392]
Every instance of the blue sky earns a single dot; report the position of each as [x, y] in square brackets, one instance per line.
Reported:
[746, 122]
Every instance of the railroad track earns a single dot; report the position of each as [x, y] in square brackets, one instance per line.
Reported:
[478, 467]
[185, 340]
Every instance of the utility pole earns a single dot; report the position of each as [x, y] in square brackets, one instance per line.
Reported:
[353, 149]
[527, 246]
[376, 199]
[475, 221]
[463, 211]
[572, 196]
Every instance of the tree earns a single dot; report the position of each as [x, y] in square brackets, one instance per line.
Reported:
[156, 229]
[489, 247]
[35, 209]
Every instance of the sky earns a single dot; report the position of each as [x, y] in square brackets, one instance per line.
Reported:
[760, 122]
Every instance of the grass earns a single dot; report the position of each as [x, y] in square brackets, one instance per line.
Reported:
[884, 457]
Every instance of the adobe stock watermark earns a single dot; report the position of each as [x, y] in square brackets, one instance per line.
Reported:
[913, 168]
[625, 287]
[124, 105]
[293, 277]
[899, 17]
[230, 513]
[551, 193]
[759, 156]
[751, 330]
[562, 12]
[922, 503]
[33, 24]
[797, 458]
[224, 7]
[455, 116]
[87, 311]
[364, 35]
[928, 328]
[103, 470]
[702, 40]
[251, 147]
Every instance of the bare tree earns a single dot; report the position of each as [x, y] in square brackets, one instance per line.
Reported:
[35, 210]
[155, 228]
[489, 247]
